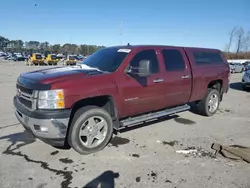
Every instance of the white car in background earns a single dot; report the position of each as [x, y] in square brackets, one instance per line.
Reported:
[236, 67]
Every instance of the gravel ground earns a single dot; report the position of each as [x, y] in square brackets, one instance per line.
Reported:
[143, 157]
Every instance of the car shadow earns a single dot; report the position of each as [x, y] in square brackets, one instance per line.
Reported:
[105, 180]
[236, 86]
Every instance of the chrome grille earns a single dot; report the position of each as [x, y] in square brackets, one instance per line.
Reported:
[24, 89]
[25, 96]
[25, 102]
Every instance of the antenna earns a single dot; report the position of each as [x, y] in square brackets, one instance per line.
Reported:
[121, 33]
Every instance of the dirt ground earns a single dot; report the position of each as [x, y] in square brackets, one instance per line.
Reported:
[143, 157]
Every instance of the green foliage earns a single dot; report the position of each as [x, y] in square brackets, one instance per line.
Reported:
[36, 46]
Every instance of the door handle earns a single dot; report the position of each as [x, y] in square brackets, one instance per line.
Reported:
[185, 77]
[158, 80]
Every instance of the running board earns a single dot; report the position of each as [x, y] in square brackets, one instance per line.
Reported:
[151, 116]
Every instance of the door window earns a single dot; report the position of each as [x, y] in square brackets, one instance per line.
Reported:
[146, 55]
[173, 60]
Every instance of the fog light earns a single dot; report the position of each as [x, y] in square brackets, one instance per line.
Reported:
[44, 129]
[41, 128]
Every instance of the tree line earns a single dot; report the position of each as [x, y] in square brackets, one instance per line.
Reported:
[238, 46]
[36, 46]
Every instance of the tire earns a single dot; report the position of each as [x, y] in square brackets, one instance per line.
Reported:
[203, 105]
[243, 87]
[83, 115]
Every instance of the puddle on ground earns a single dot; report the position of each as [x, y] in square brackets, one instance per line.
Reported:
[66, 160]
[168, 181]
[135, 155]
[54, 152]
[184, 121]
[138, 179]
[171, 143]
[224, 110]
[119, 141]
[67, 175]
[153, 175]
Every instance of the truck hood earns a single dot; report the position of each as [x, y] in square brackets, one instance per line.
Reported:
[51, 75]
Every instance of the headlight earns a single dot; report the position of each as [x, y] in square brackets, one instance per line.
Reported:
[51, 99]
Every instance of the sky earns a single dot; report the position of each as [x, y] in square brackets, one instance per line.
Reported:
[197, 23]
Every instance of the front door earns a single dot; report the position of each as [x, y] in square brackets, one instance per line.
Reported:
[143, 94]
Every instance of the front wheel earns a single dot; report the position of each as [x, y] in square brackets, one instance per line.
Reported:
[91, 130]
[209, 105]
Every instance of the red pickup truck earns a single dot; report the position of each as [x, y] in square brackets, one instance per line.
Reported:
[118, 87]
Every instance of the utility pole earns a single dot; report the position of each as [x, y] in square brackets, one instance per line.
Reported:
[120, 33]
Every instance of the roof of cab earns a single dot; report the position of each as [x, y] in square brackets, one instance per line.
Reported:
[160, 46]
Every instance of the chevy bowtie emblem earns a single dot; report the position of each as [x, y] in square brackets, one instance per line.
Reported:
[18, 92]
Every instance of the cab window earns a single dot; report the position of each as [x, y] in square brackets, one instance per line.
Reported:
[146, 55]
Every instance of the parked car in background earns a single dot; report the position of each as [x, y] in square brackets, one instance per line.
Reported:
[118, 87]
[245, 64]
[2, 54]
[71, 60]
[247, 67]
[35, 59]
[8, 57]
[246, 80]
[51, 59]
[236, 67]
[18, 58]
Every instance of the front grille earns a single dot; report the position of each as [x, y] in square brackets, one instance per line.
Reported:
[24, 89]
[25, 95]
[25, 102]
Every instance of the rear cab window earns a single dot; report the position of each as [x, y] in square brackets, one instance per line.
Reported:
[203, 57]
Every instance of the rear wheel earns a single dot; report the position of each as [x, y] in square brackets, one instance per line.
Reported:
[90, 130]
[209, 105]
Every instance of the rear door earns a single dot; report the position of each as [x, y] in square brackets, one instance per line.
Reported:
[177, 76]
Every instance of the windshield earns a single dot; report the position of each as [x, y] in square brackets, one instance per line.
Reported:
[53, 57]
[38, 56]
[71, 57]
[107, 59]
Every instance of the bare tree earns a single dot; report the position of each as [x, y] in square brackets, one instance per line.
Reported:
[240, 39]
[246, 42]
[231, 37]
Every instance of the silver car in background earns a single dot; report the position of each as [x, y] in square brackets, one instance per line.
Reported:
[236, 67]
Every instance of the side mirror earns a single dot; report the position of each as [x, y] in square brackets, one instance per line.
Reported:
[142, 70]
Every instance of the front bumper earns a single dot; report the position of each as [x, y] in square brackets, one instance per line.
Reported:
[246, 81]
[48, 125]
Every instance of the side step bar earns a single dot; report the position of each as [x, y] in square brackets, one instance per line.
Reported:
[147, 117]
